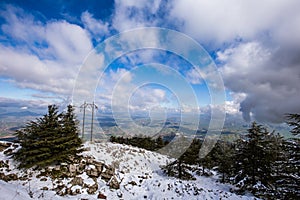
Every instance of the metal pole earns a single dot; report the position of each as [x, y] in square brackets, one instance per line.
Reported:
[84, 105]
[93, 105]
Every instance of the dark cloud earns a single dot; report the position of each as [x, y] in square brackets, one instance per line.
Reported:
[268, 76]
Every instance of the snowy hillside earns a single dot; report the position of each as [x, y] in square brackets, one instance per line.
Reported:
[136, 170]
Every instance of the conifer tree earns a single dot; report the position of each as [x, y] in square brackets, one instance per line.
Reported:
[254, 160]
[224, 155]
[294, 121]
[289, 182]
[50, 139]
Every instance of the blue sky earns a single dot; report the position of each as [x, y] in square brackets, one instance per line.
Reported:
[255, 45]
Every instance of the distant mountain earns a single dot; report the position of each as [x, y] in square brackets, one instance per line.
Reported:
[19, 114]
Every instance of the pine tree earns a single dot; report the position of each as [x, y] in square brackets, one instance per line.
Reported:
[48, 140]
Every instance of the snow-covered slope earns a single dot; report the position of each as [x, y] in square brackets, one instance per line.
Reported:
[138, 171]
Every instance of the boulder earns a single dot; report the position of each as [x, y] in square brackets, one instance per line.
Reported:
[72, 169]
[101, 196]
[92, 189]
[93, 172]
[77, 181]
[114, 183]
[107, 173]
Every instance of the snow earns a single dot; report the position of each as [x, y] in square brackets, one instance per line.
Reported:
[137, 169]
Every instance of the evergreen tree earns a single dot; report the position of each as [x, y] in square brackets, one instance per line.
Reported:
[289, 182]
[50, 139]
[294, 121]
[224, 155]
[180, 167]
[254, 160]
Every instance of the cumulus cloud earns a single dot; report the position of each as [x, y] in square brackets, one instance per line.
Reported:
[44, 56]
[223, 21]
[258, 46]
[259, 54]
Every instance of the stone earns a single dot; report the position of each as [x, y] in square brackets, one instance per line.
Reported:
[92, 189]
[45, 188]
[101, 196]
[43, 179]
[4, 145]
[8, 151]
[3, 164]
[72, 169]
[93, 172]
[9, 177]
[77, 181]
[99, 166]
[107, 173]
[114, 183]
[132, 183]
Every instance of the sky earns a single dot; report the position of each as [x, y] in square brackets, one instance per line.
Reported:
[54, 52]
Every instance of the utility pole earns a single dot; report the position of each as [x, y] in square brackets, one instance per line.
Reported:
[84, 105]
[93, 107]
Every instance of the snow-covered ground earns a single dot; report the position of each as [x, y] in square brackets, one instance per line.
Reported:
[139, 173]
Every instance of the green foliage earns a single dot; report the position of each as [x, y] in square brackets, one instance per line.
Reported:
[50, 139]
[141, 142]
[294, 121]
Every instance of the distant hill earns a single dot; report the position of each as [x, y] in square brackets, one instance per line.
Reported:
[19, 114]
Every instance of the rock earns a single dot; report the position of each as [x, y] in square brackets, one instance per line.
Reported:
[92, 189]
[77, 191]
[69, 191]
[114, 183]
[72, 169]
[43, 179]
[4, 145]
[9, 177]
[119, 194]
[99, 166]
[132, 183]
[77, 181]
[80, 168]
[8, 151]
[101, 196]
[45, 188]
[108, 173]
[57, 168]
[23, 178]
[93, 172]
[3, 164]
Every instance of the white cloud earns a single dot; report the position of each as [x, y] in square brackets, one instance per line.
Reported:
[223, 21]
[193, 76]
[131, 14]
[97, 27]
[45, 56]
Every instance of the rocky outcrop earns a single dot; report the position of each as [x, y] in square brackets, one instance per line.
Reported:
[76, 172]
